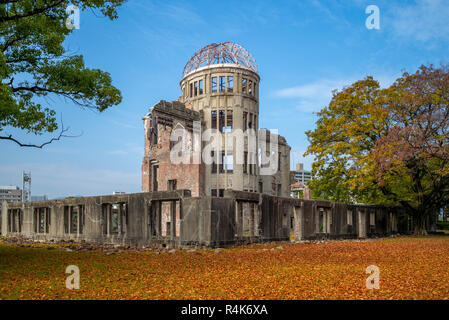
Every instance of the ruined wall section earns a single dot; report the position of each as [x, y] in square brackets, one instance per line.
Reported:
[278, 184]
[237, 218]
[159, 173]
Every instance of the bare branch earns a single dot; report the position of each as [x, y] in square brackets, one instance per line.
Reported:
[61, 135]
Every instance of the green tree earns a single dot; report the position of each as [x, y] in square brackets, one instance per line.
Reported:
[346, 131]
[390, 145]
[34, 64]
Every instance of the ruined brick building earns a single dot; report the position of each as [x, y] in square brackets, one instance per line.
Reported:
[210, 177]
[220, 91]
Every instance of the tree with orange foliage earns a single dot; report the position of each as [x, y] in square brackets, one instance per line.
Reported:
[390, 145]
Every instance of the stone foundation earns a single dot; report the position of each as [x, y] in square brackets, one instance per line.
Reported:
[175, 219]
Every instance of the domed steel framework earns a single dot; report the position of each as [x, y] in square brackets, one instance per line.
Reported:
[218, 53]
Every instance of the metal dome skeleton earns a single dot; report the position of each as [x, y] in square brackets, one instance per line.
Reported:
[220, 53]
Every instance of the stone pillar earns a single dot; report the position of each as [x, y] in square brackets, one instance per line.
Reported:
[158, 213]
[361, 219]
[173, 220]
[125, 220]
[324, 221]
[240, 224]
[109, 218]
[44, 214]
[35, 215]
[120, 218]
[298, 214]
[78, 221]
[180, 219]
[251, 219]
[256, 219]
[329, 220]
[103, 219]
[4, 212]
[238, 219]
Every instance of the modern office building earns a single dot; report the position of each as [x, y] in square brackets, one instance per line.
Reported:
[301, 175]
[10, 194]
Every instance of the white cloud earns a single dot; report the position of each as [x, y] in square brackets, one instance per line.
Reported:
[169, 24]
[118, 152]
[183, 14]
[124, 124]
[128, 149]
[329, 10]
[425, 20]
[313, 97]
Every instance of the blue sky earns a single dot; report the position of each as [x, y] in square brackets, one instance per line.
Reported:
[304, 50]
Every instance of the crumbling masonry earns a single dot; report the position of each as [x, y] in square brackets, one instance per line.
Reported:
[237, 218]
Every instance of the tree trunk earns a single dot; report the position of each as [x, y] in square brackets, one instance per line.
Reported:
[420, 223]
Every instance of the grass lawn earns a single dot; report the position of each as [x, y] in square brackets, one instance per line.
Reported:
[410, 268]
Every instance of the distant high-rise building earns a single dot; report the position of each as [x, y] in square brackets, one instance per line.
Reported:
[302, 175]
[298, 179]
[10, 194]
